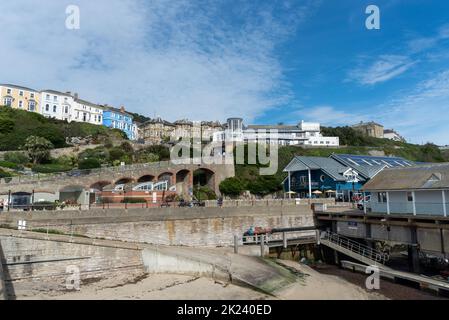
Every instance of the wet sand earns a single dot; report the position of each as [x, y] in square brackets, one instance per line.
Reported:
[312, 285]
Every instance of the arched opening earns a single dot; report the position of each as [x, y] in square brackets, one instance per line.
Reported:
[125, 180]
[98, 186]
[204, 184]
[146, 178]
[166, 176]
[182, 182]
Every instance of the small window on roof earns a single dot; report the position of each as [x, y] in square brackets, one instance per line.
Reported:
[435, 177]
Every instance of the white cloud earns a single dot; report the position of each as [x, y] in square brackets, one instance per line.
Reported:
[421, 113]
[386, 67]
[200, 60]
[331, 116]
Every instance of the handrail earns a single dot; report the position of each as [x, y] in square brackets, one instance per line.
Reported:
[355, 247]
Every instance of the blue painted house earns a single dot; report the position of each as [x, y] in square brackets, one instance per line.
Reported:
[339, 175]
[120, 119]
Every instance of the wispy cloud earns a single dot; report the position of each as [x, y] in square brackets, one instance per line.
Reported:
[420, 113]
[386, 67]
[200, 60]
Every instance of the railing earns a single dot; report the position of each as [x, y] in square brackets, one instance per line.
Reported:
[406, 208]
[355, 247]
[80, 173]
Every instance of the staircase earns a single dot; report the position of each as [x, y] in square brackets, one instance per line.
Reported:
[354, 249]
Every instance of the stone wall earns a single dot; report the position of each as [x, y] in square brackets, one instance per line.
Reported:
[36, 264]
[167, 226]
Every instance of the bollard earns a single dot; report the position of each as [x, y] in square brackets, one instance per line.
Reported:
[284, 238]
[236, 244]
[262, 246]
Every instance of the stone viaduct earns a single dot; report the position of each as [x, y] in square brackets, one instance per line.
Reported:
[180, 175]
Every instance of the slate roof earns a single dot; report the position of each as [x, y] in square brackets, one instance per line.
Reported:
[330, 166]
[428, 176]
[16, 87]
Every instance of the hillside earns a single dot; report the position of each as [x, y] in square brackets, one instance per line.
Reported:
[17, 125]
[356, 143]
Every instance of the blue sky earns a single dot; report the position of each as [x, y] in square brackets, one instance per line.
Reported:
[266, 61]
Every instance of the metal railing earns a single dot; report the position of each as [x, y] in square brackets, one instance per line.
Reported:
[355, 247]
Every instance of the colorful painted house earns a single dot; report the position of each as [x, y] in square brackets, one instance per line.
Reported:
[341, 176]
[18, 97]
[119, 119]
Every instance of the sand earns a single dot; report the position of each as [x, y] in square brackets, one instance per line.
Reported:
[183, 287]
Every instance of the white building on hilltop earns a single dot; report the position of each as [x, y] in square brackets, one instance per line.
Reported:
[58, 105]
[305, 133]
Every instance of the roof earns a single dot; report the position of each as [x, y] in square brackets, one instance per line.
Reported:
[371, 123]
[330, 166]
[428, 176]
[117, 110]
[87, 103]
[275, 127]
[158, 120]
[370, 166]
[57, 92]
[16, 87]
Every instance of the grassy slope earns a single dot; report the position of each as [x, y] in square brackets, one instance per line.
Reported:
[17, 125]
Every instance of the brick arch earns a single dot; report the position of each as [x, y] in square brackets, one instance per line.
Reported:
[146, 178]
[99, 185]
[183, 180]
[124, 180]
[204, 176]
[166, 175]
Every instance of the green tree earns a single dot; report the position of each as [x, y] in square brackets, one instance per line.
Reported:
[232, 187]
[38, 148]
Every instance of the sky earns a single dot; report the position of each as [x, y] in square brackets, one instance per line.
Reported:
[269, 62]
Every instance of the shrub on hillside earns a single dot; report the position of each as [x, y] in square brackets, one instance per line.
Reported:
[10, 165]
[91, 163]
[16, 157]
[50, 168]
[232, 187]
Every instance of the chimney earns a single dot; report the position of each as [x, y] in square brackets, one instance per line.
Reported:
[75, 95]
[122, 109]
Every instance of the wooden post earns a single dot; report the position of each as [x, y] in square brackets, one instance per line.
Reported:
[236, 244]
[414, 203]
[262, 245]
[284, 238]
[444, 203]
[388, 202]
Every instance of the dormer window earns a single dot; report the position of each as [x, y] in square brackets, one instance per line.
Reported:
[435, 177]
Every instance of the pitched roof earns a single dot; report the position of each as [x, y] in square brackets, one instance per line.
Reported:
[57, 92]
[87, 103]
[428, 176]
[330, 166]
[16, 87]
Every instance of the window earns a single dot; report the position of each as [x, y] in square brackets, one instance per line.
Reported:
[322, 178]
[99, 118]
[410, 196]
[21, 93]
[55, 98]
[382, 197]
[32, 95]
[66, 110]
[8, 91]
[20, 104]
[47, 97]
[55, 108]
[47, 107]
[31, 106]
